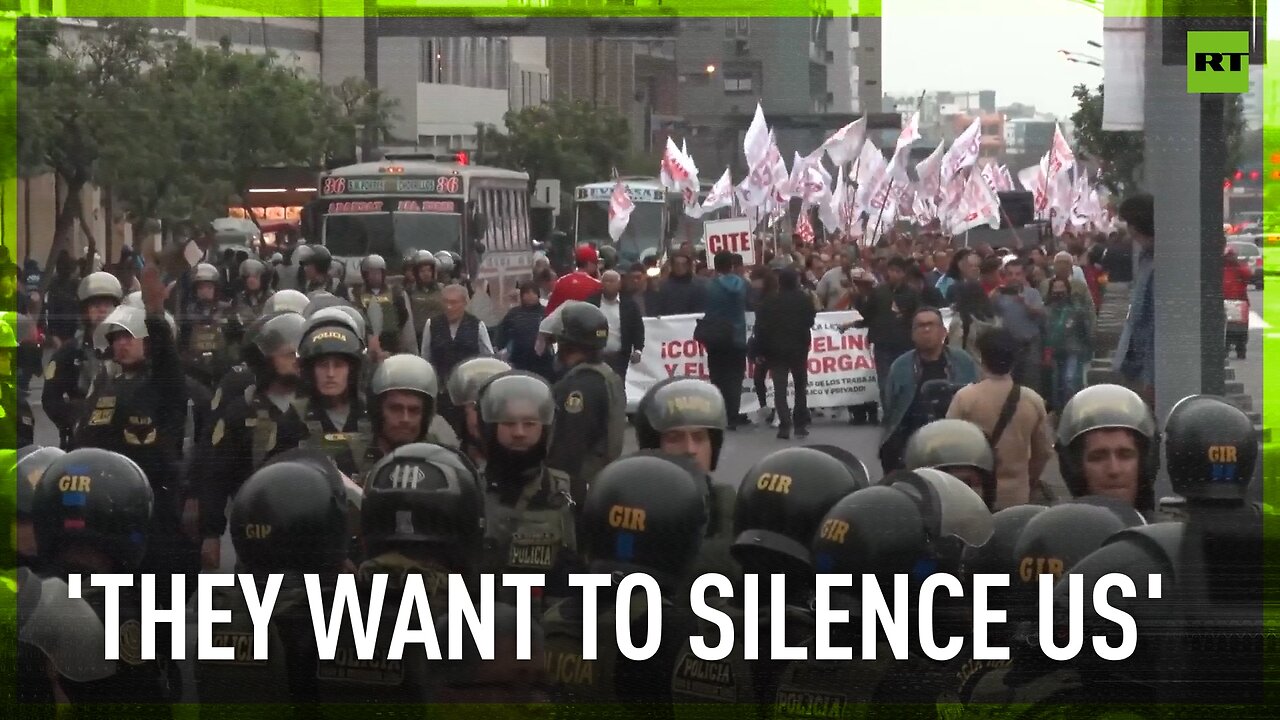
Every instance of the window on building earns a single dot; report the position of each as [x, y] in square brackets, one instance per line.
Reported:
[501, 63]
[432, 61]
[740, 84]
[737, 27]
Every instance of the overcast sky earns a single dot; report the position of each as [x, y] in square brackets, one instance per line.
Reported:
[1010, 46]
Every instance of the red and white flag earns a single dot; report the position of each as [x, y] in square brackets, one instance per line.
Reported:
[991, 175]
[1004, 179]
[963, 152]
[720, 195]
[1061, 159]
[1033, 181]
[910, 133]
[678, 171]
[843, 146]
[620, 207]
[804, 228]
[978, 206]
[929, 171]
[755, 143]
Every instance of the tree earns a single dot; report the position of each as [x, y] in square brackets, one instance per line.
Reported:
[569, 141]
[1120, 154]
[71, 99]
[358, 108]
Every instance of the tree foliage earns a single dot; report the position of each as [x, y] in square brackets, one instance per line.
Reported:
[569, 141]
[1120, 154]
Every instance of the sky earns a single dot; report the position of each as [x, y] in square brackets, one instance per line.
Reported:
[1010, 46]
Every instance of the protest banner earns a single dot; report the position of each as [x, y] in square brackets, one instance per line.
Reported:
[732, 235]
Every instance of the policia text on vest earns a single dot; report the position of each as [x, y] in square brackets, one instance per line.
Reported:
[896, 620]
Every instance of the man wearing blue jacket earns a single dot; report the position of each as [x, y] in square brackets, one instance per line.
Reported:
[726, 307]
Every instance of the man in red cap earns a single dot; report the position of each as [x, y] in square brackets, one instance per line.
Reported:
[578, 285]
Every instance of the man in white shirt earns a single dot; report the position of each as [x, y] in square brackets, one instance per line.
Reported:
[626, 327]
[451, 338]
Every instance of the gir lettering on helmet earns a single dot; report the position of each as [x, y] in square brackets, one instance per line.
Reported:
[256, 531]
[834, 530]
[773, 482]
[1222, 454]
[1032, 567]
[74, 483]
[626, 518]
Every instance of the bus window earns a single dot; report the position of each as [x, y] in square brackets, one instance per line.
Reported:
[353, 235]
[427, 231]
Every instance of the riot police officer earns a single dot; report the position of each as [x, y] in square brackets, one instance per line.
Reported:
[231, 453]
[529, 526]
[140, 411]
[1107, 445]
[686, 417]
[314, 263]
[75, 365]
[203, 330]
[463, 384]
[249, 301]
[285, 301]
[425, 298]
[386, 308]
[780, 503]
[645, 513]
[29, 470]
[289, 518]
[402, 400]
[591, 401]
[956, 447]
[92, 511]
[1211, 451]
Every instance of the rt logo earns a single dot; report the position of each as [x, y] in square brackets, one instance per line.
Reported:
[1217, 62]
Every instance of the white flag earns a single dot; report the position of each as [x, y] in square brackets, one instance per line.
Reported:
[929, 171]
[910, 132]
[620, 207]
[979, 206]
[678, 171]
[1061, 159]
[829, 211]
[1004, 179]
[755, 143]
[963, 152]
[846, 143]
[720, 195]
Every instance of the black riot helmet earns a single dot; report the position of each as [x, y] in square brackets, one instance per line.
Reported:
[320, 300]
[96, 498]
[680, 403]
[781, 502]
[1211, 449]
[996, 557]
[876, 531]
[319, 256]
[407, 373]
[583, 326]
[955, 518]
[647, 512]
[949, 446]
[424, 496]
[329, 338]
[1055, 540]
[291, 516]
[1107, 407]
[31, 467]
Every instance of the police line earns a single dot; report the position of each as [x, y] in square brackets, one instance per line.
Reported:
[414, 624]
[842, 369]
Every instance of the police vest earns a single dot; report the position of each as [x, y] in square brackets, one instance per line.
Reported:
[573, 679]
[386, 300]
[206, 349]
[835, 689]
[242, 678]
[349, 450]
[696, 683]
[535, 535]
[89, 364]
[425, 304]
[599, 456]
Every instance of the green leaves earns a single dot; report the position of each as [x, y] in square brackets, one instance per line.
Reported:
[571, 141]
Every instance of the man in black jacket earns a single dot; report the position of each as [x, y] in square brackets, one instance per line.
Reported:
[681, 293]
[887, 313]
[626, 326]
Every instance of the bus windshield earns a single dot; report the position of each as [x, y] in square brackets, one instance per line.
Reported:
[391, 235]
[644, 231]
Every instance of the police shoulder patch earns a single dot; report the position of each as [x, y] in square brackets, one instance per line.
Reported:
[131, 642]
[219, 430]
[573, 403]
[51, 370]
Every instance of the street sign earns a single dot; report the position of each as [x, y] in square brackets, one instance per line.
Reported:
[732, 235]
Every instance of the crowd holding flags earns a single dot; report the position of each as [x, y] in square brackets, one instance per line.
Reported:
[867, 194]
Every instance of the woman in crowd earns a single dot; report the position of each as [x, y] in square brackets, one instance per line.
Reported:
[1068, 341]
[973, 316]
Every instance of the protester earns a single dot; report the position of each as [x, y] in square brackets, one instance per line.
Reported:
[1021, 310]
[1013, 418]
[887, 314]
[1068, 340]
[626, 326]
[1134, 358]
[681, 292]
[517, 335]
[764, 284]
[989, 273]
[726, 321]
[783, 329]
[973, 316]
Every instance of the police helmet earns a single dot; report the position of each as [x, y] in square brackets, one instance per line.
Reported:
[373, 262]
[286, 301]
[291, 516]
[516, 395]
[1104, 407]
[782, 500]
[1055, 540]
[124, 319]
[406, 372]
[320, 300]
[276, 259]
[204, 272]
[465, 380]
[423, 494]
[444, 262]
[875, 530]
[31, 468]
[252, 267]
[282, 332]
[944, 444]
[100, 285]
[329, 338]
[996, 555]
[678, 403]
[424, 257]
[851, 461]
[1211, 449]
[1123, 510]
[955, 517]
[647, 511]
[583, 325]
[95, 497]
[317, 255]
[342, 314]
[134, 299]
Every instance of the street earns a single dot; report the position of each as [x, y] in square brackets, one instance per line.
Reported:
[745, 447]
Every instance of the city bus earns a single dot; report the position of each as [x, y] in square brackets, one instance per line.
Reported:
[410, 202]
[658, 221]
